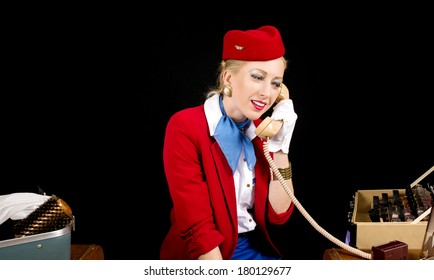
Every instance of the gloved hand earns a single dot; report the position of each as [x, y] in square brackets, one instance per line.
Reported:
[284, 111]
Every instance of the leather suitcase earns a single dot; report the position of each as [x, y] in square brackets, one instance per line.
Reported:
[339, 254]
[86, 252]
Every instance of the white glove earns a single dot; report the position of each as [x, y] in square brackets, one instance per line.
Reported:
[283, 111]
[17, 206]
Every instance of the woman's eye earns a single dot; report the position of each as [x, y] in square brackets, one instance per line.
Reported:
[257, 77]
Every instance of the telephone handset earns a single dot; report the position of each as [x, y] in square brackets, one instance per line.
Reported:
[269, 127]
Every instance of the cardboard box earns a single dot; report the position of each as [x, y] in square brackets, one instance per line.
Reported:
[367, 234]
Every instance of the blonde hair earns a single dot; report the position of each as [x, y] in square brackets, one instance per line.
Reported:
[230, 65]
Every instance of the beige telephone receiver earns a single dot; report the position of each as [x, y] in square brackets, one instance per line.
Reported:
[268, 127]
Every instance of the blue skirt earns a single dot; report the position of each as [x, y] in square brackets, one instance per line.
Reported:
[246, 249]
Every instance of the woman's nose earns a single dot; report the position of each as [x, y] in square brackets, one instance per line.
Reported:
[267, 90]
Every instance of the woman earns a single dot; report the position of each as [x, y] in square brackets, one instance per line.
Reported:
[225, 199]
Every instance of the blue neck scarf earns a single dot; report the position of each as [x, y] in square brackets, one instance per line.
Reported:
[231, 138]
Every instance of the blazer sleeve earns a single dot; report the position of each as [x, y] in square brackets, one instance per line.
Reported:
[187, 186]
[279, 219]
[264, 175]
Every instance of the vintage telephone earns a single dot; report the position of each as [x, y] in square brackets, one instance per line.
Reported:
[269, 127]
[267, 130]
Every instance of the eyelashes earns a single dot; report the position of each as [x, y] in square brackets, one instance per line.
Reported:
[259, 77]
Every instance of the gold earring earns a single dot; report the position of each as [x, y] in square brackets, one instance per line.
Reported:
[227, 90]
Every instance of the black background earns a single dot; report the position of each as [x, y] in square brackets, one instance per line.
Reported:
[87, 93]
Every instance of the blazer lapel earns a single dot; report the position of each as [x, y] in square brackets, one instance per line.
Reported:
[226, 180]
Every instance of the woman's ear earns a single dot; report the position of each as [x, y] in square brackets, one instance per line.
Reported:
[227, 78]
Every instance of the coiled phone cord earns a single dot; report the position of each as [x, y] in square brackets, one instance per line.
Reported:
[306, 215]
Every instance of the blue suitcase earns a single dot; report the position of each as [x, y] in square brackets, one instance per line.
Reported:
[54, 245]
[45, 234]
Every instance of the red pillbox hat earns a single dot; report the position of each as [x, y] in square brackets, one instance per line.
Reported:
[264, 43]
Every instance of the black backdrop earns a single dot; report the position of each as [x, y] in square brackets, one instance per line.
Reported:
[87, 95]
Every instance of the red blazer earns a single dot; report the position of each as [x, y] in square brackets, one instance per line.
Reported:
[201, 185]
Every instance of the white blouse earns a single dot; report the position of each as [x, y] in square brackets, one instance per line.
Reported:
[244, 179]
